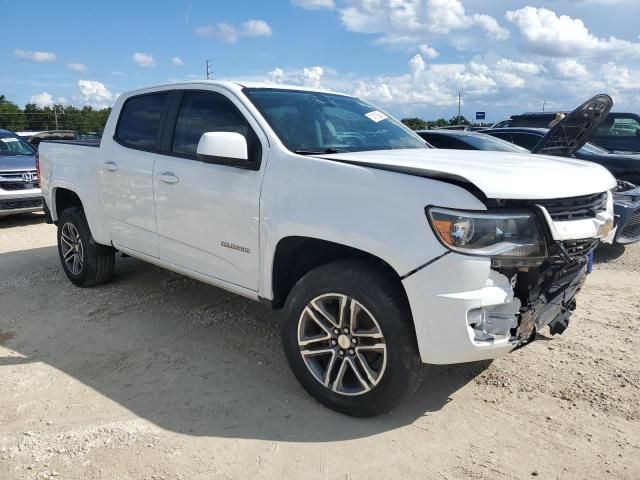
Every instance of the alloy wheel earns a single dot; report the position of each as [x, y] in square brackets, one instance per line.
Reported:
[72, 248]
[342, 344]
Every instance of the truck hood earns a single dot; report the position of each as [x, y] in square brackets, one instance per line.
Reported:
[499, 175]
[12, 163]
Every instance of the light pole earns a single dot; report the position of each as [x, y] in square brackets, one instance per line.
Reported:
[209, 72]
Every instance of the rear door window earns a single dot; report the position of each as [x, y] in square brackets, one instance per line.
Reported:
[140, 121]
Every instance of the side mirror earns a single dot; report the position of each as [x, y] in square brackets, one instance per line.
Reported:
[222, 146]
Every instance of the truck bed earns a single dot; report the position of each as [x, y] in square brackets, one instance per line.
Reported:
[84, 143]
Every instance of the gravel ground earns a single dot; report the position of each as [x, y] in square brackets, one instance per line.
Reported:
[156, 376]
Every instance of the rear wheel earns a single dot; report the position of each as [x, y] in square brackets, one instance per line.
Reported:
[85, 262]
[349, 339]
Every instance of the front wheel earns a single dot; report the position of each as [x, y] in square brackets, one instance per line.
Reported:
[85, 262]
[349, 339]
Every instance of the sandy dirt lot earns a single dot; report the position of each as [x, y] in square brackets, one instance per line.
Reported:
[156, 376]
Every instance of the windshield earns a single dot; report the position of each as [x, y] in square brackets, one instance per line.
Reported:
[486, 142]
[13, 145]
[311, 122]
[591, 149]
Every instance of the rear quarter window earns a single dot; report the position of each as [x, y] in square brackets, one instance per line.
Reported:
[139, 122]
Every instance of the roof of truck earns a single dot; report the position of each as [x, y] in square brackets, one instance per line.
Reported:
[235, 86]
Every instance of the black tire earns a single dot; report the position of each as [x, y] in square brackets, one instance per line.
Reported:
[382, 296]
[97, 260]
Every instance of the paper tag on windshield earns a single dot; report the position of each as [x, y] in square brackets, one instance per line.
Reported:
[376, 116]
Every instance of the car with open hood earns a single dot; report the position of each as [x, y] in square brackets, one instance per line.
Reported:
[618, 132]
[383, 253]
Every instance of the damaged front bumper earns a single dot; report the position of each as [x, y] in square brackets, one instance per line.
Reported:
[468, 308]
[487, 322]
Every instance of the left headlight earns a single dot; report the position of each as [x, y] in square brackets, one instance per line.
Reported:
[509, 238]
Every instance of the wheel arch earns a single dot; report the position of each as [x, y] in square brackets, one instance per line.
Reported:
[64, 198]
[294, 256]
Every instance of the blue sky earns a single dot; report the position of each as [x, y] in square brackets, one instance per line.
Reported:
[410, 56]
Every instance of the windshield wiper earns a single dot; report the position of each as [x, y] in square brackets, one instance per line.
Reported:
[319, 152]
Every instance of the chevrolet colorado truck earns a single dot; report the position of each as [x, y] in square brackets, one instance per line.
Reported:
[384, 254]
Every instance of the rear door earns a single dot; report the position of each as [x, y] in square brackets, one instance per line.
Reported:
[208, 213]
[126, 173]
[620, 131]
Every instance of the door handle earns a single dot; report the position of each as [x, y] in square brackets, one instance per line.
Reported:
[111, 166]
[169, 177]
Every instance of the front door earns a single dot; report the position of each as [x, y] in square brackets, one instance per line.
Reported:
[208, 213]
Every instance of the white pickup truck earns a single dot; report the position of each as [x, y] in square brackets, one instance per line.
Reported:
[384, 253]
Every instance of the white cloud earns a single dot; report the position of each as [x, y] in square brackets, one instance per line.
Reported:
[620, 78]
[314, 4]
[43, 99]
[547, 33]
[256, 28]
[569, 70]
[231, 34]
[144, 59]
[276, 75]
[95, 94]
[77, 67]
[522, 68]
[491, 26]
[428, 51]
[308, 77]
[412, 20]
[177, 61]
[38, 57]
[417, 65]
[495, 84]
[313, 76]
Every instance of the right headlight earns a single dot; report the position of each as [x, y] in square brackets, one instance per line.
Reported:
[508, 237]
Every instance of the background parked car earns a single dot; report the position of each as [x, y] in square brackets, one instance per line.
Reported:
[619, 132]
[19, 183]
[626, 195]
[623, 166]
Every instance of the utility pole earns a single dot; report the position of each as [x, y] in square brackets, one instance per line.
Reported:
[209, 72]
[55, 114]
[544, 105]
[459, 106]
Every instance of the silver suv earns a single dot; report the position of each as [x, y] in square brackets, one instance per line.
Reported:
[19, 183]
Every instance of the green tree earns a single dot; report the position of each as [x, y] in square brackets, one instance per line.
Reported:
[11, 117]
[459, 120]
[414, 123]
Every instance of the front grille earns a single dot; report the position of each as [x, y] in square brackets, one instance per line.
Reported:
[15, 180]
[631, 231]
[575, 208]
[19, 204]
